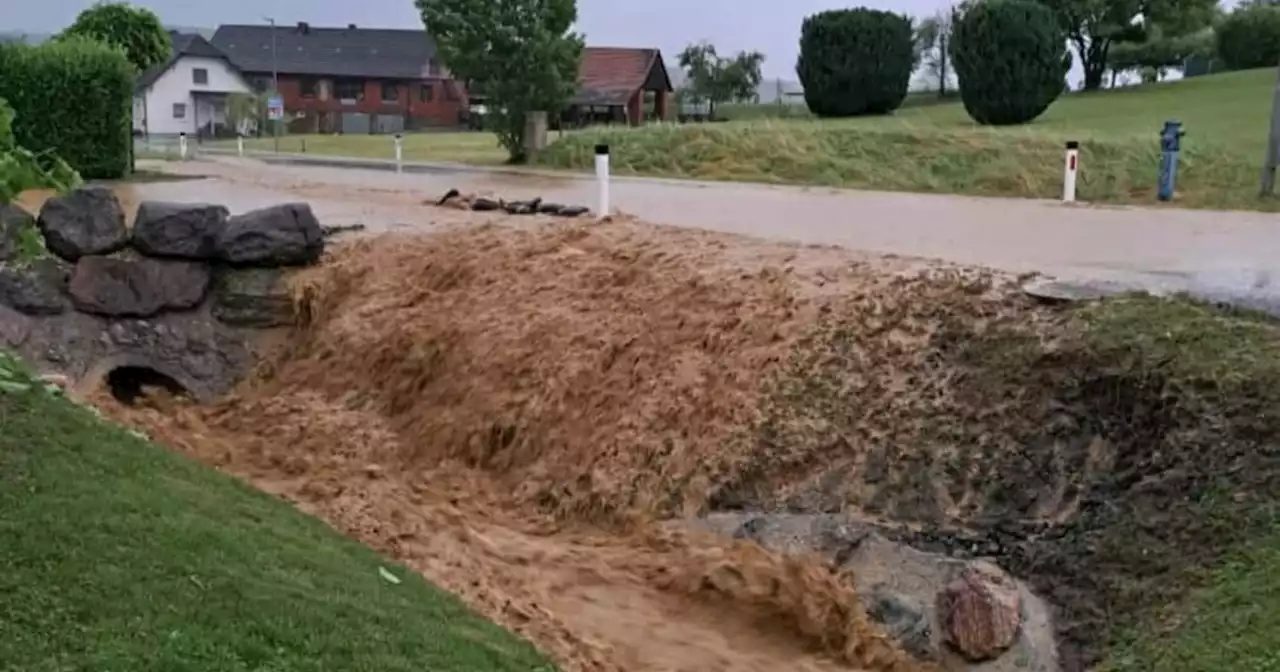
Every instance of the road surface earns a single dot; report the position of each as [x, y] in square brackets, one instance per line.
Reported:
[1158, 245]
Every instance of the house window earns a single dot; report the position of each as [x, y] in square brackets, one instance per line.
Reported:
[200, 76]
[390, 92]
[308, 87]
[428, 92]
[179, 110]
[262, 84]
[348, 89]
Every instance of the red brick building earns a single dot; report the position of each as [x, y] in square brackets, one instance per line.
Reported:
[377, 80]
[353, 80]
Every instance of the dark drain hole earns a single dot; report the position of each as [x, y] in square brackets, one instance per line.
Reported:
[130, 383]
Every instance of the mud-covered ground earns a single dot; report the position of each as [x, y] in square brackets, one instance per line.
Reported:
[509, 410]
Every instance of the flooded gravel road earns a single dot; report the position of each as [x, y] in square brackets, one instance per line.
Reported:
[1169, 247]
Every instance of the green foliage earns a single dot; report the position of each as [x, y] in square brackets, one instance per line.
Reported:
[73, 98]
[1250, 37]
[1160, 52]
[136, 30]
[855, 61]
[1093, 26]
[22, 169]
[520, 53]
[933, 37]
[1010, 59]
[715, 79]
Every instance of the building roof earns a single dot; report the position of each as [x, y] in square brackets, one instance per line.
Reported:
[611, 75]
[377, 53]
[183, 44]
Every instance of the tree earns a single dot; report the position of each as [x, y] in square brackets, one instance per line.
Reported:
[1250, 37]
[933, 35]
[520, 53]
[715, 79]
[136, 30]
[1011, 60]
[855, 61]
[1093, 26]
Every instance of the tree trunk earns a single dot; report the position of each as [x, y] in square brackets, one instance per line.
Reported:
[942, 66]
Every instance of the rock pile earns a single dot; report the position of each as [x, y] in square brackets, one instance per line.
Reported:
[182, 280]
[536, 206]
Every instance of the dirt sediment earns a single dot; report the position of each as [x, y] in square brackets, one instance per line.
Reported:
[509, 410]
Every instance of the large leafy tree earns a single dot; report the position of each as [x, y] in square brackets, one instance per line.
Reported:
[1011, 60]
[136, 30]
[855, 61]
[520, 53]
[1093, 26]
[716, 79]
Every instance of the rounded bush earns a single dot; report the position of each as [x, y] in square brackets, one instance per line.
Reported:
[1010, 58]
[855, 61]
[1250, 38]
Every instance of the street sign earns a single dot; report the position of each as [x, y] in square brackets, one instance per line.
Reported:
[275, 108]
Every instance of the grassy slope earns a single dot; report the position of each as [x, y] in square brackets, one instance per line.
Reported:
[118, 555]
[938, 149]
[443, 147]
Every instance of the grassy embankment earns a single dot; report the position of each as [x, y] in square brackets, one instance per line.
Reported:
[939, 149]
[923, 147]
[116, 554]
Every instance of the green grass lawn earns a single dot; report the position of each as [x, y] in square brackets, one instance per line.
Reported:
[440, 146]
[119, 556]
[937, 148]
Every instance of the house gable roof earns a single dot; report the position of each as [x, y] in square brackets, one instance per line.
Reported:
[183, 44]
[378, 53]
[611, 75]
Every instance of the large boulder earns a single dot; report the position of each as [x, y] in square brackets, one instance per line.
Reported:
[281, 235]
[35, 289]
[137, 288]
[252, 297]
[13, 221]
[83, 222]
[182, 230]
[981, 612]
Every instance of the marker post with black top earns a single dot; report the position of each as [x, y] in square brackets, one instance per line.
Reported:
[602, 180]
[399, 153]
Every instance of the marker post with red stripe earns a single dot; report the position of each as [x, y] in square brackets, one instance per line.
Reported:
[1069, 174]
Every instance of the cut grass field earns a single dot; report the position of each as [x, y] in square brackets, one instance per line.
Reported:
[441, 146]
[116, 554]
[939, 149]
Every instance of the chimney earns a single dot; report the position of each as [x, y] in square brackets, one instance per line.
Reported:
[303, 28]
[351, 26]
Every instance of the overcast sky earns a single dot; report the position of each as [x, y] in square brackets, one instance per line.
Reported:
[770, 26]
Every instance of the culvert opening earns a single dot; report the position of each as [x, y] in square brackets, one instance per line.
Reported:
[128, 384]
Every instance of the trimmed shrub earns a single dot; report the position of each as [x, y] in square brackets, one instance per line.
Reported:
[1011, 60]
[73, 98]
[855, 61]
[1250, 38]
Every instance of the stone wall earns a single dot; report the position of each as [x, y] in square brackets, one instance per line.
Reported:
[182, 292]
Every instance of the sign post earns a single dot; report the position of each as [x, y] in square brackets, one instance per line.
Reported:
[275, 112]
[1069, 173]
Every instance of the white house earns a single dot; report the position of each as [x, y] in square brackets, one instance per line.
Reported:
[188, 93]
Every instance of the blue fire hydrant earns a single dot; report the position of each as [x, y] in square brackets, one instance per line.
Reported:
[1170, 144]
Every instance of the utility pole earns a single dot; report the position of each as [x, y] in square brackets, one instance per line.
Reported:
[275, 81]
[1273, 144]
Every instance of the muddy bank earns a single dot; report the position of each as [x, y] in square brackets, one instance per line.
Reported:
[508, 411]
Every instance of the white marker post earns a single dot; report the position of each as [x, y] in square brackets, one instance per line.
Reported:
[602, 180]
[182, 146]
[1069, 172]
[240, 144]
[399, 154]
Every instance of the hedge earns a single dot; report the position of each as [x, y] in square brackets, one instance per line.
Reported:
[855, 61]
[73, 98]
[1250, 37]
[1010, 58]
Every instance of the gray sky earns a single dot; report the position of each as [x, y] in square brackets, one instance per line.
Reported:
[769, 26]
